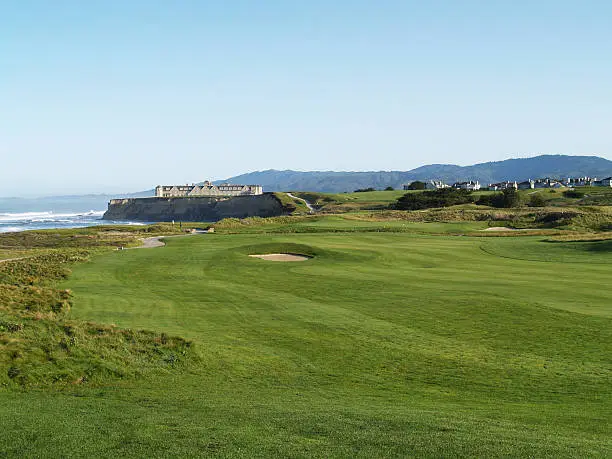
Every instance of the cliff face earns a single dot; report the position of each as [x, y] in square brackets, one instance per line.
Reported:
[196, 209]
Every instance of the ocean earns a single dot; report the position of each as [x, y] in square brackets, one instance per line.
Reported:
[21, 214]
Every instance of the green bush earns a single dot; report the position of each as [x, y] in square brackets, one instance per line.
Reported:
[573, 194]
[417, 185]
[504, 200]
[443, 197]
[536, 200]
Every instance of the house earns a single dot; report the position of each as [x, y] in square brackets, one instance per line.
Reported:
[579, 181]
[470, 185]
[547, 183]
[430, 185]
[207, 189]
[435, 185]
[502, 186]
[526, 185]
[603, 182]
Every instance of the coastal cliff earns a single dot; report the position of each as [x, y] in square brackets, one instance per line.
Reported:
[194, 209]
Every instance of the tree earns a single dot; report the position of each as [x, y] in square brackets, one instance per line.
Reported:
[510, 198]
[443, 197]
[573, 194]
[417, 185]
[506, 199]
[536, 200]
[389, 188]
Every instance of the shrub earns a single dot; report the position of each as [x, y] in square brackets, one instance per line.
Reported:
[536, 200]
[443, 197]
[365, 190]
[417, 185]
[575, 194]
[504, 200]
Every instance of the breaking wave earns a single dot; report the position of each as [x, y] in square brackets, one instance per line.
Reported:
[48, 216]
[22, 221]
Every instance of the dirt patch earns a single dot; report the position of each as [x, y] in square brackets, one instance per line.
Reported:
[281, 257]
[152, 242]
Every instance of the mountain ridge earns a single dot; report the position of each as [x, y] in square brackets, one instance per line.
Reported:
[559, 166]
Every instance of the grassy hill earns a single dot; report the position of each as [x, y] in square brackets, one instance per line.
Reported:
[560, 166]
[385, 344]
[583, 197]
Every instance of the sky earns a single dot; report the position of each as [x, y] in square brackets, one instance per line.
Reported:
[122, 95]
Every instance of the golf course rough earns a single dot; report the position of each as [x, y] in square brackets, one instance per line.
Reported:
[381, 345]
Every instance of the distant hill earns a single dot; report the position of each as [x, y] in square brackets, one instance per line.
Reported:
[558, 166]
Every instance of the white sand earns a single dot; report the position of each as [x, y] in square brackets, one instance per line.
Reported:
[499, 228]
[505, 228]
[281, 257]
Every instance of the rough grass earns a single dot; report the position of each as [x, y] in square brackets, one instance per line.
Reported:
[41, 347]
[40, 350]
[97, 236]
[291, 205]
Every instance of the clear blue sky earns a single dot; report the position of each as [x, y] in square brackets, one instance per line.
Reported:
[124, 95]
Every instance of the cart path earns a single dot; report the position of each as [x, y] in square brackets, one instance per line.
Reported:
[310, 208]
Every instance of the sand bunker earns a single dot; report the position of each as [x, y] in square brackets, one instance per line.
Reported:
[499, 228]
[505, 228]
[281, 257]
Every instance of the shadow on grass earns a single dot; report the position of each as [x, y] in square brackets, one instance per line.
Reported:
[600, 246]
[591, 246]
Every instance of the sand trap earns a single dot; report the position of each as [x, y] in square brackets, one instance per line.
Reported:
[281, 257]
[505, 228]
[499, 228]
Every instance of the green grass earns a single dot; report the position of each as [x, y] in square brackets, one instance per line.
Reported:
[383, 344]
[378, 200]
[40, 346]
[291, 205]
[341, 224]
[343, 202]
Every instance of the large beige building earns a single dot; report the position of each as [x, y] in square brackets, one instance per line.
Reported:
[207, 189]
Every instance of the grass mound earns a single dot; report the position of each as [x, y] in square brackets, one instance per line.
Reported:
[39, 350]
[290, 205]
[40, 269]
[39, 346]
[556, 251]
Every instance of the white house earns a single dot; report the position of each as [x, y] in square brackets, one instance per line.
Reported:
[207, 189]
[526, 185]
[579, 181]
[435, 185]
[502, 186]
[547, 183]
[603, 182]
[470, 186]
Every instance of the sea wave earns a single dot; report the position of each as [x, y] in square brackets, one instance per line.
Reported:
[10, 229]
[49, 216]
